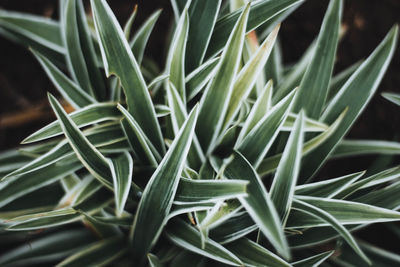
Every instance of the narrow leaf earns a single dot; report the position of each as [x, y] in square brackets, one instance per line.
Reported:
[285, 179]
[261, 12]
[368, 77]
[258, 203]
[209, 190]
[101, 253]
[313, 261]
[176, 55]
[68, 89]
[121, 170]
[42, 30]
[348, 148]
[140, 144]
[248, 75]
[159, 192]
[254, 255]
[314, 86]
[139, 40]
[395, 98]
[203, 15]
[216, 98]
[88, 115]
[74, 54]
[90, 157]
[119, 60]
[257, 142]
[185, 236]
[321, 214]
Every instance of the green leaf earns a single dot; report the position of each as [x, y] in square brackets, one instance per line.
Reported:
[182, 259]
[261, 12]
[315, 82]
[310, 125]
[346, 212]
[313, 261]
[258, 203]
[74, 54]
[209, 190]
[236, 227]
[259, 109]
[340, 79]
[140, 144]
[328, 188]
[395, 98]
[269, 164]
[62, 216]
[101, 253]
[257, 142]
[129, 22]
[327, 217]
[90, 55]
[247, 77]
[203, 15]
[216, 97]
[154, 261]
[67, 88]
[91, 114]
[285, 179]
[185, 236]
[119, 60]
[121, 170]
[48, 248]
[29, 182]
[379, 257]
[90, 157]
[348, 148]
[386, 197]
[63, 151]
[139, 40]
[176, 55]
[373, 180]
[44, 219]
[178, 117]
[368, 77]
[41, 30]
[274, 66]
[197, 79]
[159, 192]
[296, 73]
[253, 254]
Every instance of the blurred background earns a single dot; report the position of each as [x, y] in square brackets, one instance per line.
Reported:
[23, 83]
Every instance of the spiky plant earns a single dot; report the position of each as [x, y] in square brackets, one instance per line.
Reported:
[202, 163]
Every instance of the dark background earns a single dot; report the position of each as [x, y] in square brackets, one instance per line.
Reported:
[23, 83]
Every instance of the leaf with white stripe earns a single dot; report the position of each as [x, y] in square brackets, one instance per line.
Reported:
[187, 237]
[121, 170]
[285, 179]
[328, 218]
[258, 203]
[368, 77]
[160, 191]
[67, 88]
[258, 141]
[118, 59]
[90, 157]
[216, 98]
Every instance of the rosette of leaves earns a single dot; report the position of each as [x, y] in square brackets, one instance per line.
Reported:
[210, 159]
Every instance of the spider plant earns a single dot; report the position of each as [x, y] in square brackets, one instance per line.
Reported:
[210, 159]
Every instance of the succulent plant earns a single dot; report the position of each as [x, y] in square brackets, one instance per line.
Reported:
[211, 159]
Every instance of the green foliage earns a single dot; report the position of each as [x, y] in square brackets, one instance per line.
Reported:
[203, 163]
